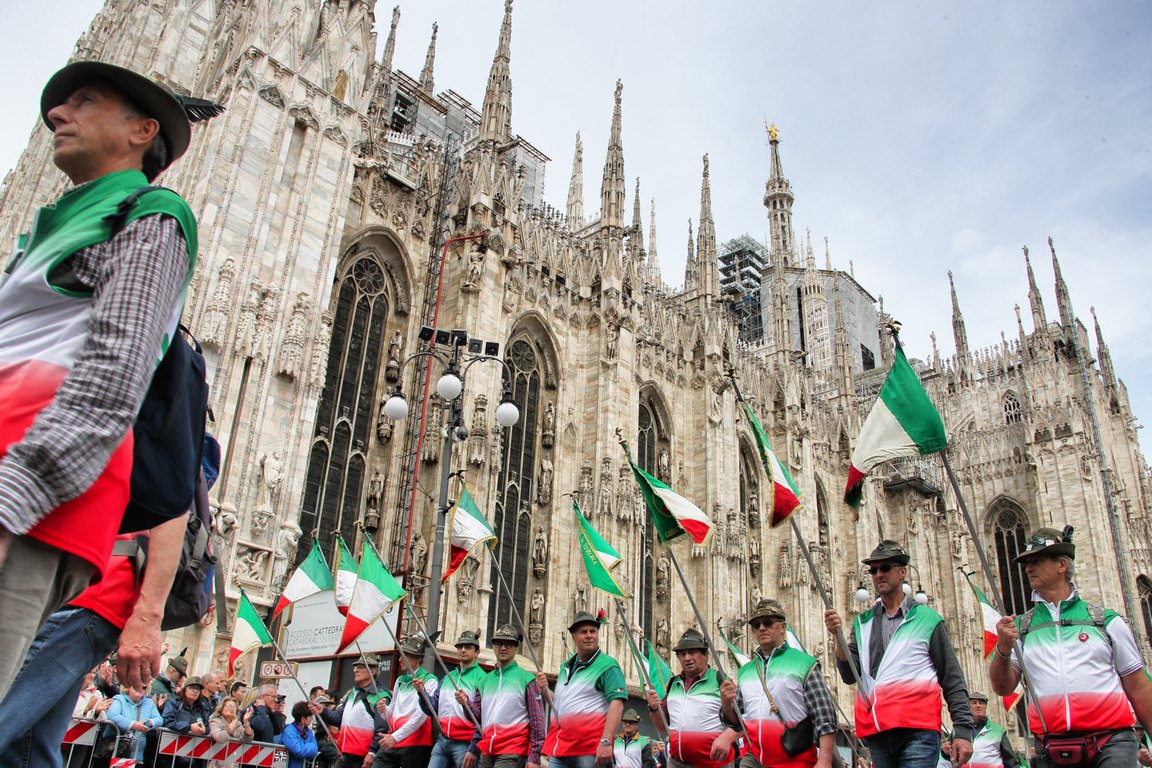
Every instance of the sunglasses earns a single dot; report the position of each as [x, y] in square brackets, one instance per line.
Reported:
[884, 568]
[759, 623]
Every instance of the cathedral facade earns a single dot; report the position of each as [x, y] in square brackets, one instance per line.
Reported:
[345, 206]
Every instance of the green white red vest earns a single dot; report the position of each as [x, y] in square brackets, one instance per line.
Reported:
[358, 722]
[504, 722]
[454, 724]
[694, 720]
[411, 727]
[1072, 673]
[785, 672]
[904, 692]
[580, 710]
[43, 329]
[986, 747]
[628, 753]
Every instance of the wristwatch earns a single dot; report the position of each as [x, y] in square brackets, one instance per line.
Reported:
[605, 742]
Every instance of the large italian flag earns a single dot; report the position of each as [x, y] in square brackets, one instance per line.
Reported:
[785, 494]
[311, 577]
[903, 422]
[248, 631]
[599, 557]
[346, 569]
[672, 514]
[469, 530]
[376, 591]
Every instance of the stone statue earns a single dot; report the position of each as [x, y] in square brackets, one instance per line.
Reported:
[612, 343]
[219, 307]
[395, 347]
[544, 491]
[585, 492]
[246, 331]
[478, 435]
[662, 636]
[604, 509]
[753, 509]
[580, 598]
[663, 466]
[286, 541]
[419, 552]
[548, 435]
[475, 268]
[757, 595]
[784, 563]
[662, 567]
[292, 346]
[466, 578]
[252, 564]
[536, 610]
[375, 488]
[270, 476]
[540, 553]
[384, 425]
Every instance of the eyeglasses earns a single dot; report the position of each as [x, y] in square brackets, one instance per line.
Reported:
[882, 568]
[758, 623]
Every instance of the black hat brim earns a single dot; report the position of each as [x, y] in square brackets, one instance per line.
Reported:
[148, 96]
[1065, 548]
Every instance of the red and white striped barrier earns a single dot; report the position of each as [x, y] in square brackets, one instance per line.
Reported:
[257, 754]
[122, 762]
[83, 732]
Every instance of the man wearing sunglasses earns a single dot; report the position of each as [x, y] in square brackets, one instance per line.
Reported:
[908, 661]
[781, 689]
[1084, 667]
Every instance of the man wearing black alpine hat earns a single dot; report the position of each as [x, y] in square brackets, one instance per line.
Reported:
[1084, 668]
[85, 315]
[906, 659]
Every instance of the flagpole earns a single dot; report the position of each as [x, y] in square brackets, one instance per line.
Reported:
[644, 676]
[300, 685]
[515, 610]
[411, 671]
[816, 576]
[1017, 645]
[423, 627]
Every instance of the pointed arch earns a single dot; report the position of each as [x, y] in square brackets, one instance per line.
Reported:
[652, 453]
[750, 474]
[1007, 524]
[534, 324]
[1010, 405]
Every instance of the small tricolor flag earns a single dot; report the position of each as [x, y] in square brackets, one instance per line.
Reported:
[310, 578]
[346, 569]
[658, 671]
[672, 514]
[785, 494]
[248, 631]
[903, 422]
[791, 639]
[469, 530]
[990, 617]
[599, 557]
[375, 593]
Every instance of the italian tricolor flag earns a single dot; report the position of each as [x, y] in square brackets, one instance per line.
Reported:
[599, 557]
[346, 569]
[469, 530]
[311, 577]
[991, 616]
[672, 514]
[785, 494]
[376, 591]
[658, 670]
[903, 422]
[248, 631]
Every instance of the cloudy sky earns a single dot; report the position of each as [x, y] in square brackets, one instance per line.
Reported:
[918, 137]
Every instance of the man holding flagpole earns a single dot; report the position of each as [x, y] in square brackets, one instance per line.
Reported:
[1085, 671]
[456, 729]
[908, 660]
[410, 713]
[698, 735]
[782, 696]
[588, 703]
[356, 717]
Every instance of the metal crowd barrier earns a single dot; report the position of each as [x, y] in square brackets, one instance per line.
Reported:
[240, 753]
[80, 740]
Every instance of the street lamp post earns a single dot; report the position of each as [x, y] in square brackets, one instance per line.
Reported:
[449, 387]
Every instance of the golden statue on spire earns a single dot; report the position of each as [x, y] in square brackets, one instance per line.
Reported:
[773, 132]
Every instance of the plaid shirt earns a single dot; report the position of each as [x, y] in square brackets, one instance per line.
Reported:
[537, 724]
[136, 279]
[817, 700]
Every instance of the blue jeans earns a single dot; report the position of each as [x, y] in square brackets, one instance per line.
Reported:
[580, 761]
[448, 753]
[904, 748]
[35, 714]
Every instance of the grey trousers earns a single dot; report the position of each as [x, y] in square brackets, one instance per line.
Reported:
[35, 581]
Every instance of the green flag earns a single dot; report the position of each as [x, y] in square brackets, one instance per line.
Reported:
[658, 671]
[599, 557]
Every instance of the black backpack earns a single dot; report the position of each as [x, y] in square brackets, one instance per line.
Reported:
[169, 430]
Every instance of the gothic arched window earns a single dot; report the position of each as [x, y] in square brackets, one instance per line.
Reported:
[650, 441]
[514, 494]
[1144, 588]
[1011, 409]
[346, 411]
[1009, 525]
